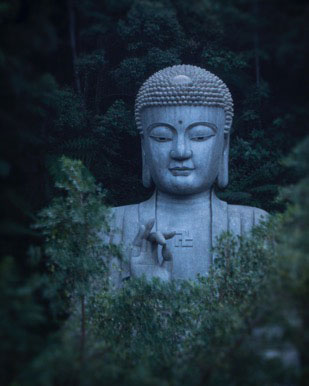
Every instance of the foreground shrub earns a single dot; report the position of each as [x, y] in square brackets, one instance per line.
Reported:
[243, 324]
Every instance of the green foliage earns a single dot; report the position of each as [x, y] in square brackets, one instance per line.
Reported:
[91, 62]
[43, 115]
[68, 111]
[72, 226]
[216, 331]
[147, 36]
[83, 107]
[21, 318]
[117, 121]
[115, 47]
[294, 249]
[250, 188]
[243, 324]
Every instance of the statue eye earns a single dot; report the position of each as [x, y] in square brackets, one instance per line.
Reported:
[161, 134]
[161, 139]
[201, 133]
[200, 138]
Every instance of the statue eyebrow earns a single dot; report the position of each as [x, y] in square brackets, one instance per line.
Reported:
[153, 125]
[208, 124]
[158, 124]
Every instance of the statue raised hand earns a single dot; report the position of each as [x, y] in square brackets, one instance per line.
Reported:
[144, 260]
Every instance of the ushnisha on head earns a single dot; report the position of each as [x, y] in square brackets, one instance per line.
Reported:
[184, 85]
[184, 114]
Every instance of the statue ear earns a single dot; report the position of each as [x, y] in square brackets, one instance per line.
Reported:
[223, 175]
[146, 176]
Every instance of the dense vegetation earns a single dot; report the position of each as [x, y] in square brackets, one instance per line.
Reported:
[243, 324]
[69, 74]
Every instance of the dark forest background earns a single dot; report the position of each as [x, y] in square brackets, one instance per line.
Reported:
[70, 71]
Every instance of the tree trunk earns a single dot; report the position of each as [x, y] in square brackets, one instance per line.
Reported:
[98, 92]
[83, 329]
[72, 32]
[256, 39]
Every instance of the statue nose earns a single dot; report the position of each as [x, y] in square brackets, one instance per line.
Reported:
[181, 153]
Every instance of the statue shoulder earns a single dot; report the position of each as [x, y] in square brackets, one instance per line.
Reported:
[128, 217]
[255, 215]
[119, 214]
[242, 218]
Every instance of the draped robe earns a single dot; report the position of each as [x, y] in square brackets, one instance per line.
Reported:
[125, 220]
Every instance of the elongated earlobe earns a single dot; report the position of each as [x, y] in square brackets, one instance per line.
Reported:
[223, 175]
[146, 176]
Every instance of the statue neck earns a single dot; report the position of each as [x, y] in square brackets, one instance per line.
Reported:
[173, 201]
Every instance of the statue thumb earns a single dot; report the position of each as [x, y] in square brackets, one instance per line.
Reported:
[166, 253]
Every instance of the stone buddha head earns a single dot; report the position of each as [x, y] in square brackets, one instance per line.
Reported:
[184, 115]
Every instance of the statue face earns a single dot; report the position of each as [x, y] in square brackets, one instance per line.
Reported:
[184, 147]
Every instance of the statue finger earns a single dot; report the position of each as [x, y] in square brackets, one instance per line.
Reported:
[169, 235]
[167, 254]
[139, 237]
[157, 237]
[145, 245]
[148, 226]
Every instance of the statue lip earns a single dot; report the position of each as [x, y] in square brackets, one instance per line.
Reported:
[181, 168]
[181, 171]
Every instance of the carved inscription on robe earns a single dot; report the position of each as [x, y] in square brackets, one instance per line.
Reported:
[182, 239]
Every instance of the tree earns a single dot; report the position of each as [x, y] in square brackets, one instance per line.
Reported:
[72, 227]
[22, 319]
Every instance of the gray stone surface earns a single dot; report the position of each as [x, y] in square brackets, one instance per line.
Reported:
[184, 115]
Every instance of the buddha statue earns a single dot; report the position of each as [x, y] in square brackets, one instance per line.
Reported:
[184, 116]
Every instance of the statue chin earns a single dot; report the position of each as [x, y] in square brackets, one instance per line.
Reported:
[187, 182]
[182, 188]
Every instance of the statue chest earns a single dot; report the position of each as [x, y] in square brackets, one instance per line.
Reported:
[192, 243]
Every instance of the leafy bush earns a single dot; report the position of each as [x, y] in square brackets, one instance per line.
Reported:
[243, 324]
[219, 330]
